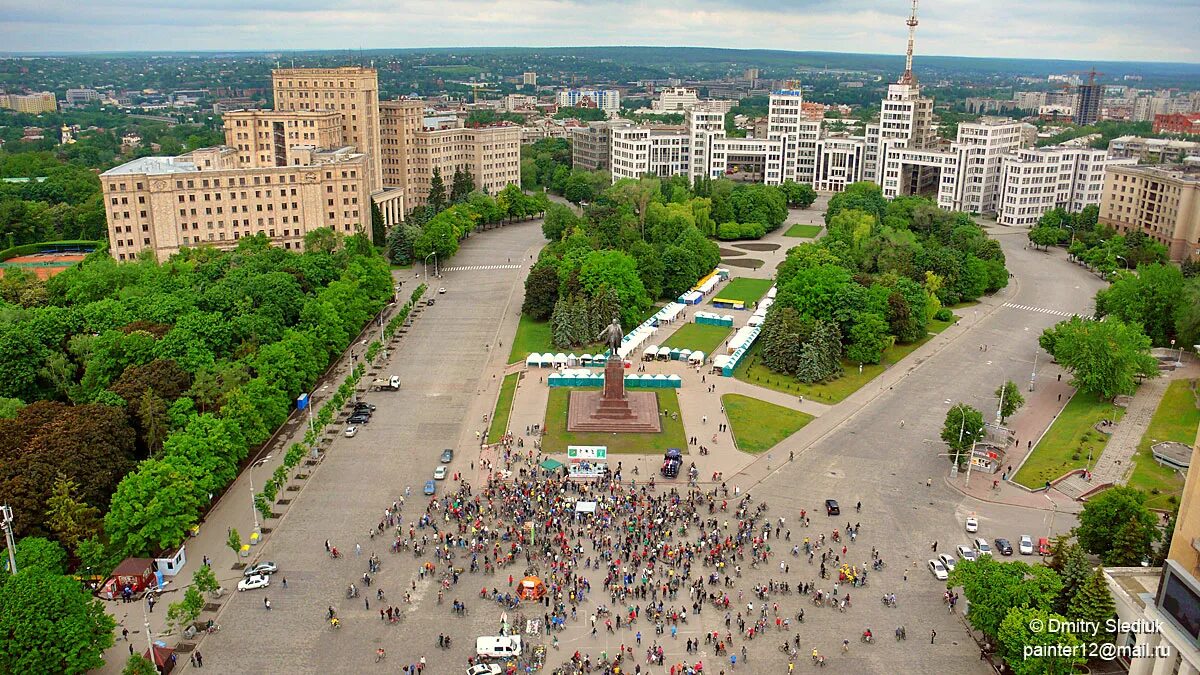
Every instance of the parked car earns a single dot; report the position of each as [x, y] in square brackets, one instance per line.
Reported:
[440, 472]
[1043, 547]
[266, 567]
[447, 455]
[359, 418]
[430, 487]
[948, 561]
[429, 302]
[484, 669]
[972, 524]
[981, 545]
[351, 431]
[966, 553]
[441, 290]
[1003, 546]
[938, 570]
[364, 406]
[832, 508]
[1025, 545]
[255, 581]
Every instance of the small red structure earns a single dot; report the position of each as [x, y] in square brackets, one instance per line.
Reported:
[531, 588]
[163, 658]
[136, 574]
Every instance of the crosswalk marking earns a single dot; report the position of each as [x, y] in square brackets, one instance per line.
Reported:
[468, 268]
[1043, 310]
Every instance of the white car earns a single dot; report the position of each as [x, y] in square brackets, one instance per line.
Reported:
[351, 431]
[966, 553]
[484, 669]
[441, 290]
[938, 570]
[266, 567]
[972, 524]
[981, 545]
[1025, 545]
[440, 472]
[255, 581]
[948, 561]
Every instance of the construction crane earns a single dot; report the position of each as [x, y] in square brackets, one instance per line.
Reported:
[1091, 73]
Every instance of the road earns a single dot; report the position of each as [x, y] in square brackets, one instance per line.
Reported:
[859, 453]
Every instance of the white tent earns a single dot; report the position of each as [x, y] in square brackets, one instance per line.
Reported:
[572, 360]
[709, 285]
[650, 353]
[771, 293]
[756, 320]
[533, 359]
[560, 360]
[696, 357]
[720, 361]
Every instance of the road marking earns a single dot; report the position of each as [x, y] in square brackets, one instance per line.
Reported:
[469, 268]
[1043, 310]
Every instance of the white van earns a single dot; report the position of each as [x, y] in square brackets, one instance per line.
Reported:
[498, 646]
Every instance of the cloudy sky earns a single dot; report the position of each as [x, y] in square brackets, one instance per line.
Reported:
[1147, 30]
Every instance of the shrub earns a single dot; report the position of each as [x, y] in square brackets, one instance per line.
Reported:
[944, 314]
[730, 231]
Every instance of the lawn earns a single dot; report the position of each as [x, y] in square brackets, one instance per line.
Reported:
[695, 336]
[758, 425]
[802, 230]
[1065, 445]
[557, 438]
[753, 371]
[508, 389]
[745, 289]
[1175, 420]
[534, 337]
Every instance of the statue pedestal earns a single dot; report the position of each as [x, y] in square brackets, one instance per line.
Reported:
[612, 408]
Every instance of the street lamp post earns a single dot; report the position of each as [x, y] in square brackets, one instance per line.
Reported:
[6, 519]
[435, 270]
[1033, 373]
[1123, 260]
[253, 504]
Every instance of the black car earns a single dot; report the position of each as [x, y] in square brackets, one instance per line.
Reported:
[832, 508]
[447, 455]
[1004, 547]
[363, 406]
[359, 419]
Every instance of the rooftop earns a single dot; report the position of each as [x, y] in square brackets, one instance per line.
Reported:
[1182, 172]
[153, 166]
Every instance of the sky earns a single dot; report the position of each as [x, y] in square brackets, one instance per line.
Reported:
[1102, 30]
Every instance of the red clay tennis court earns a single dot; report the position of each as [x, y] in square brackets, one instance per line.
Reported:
[44, 265]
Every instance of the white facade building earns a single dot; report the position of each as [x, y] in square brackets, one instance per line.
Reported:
[675, 99]
[1036, 180]
[839, 162]
[637, 151]
[608, 100]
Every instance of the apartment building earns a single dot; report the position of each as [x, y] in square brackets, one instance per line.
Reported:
[1153, 150]
[1163, 202]
[1178, 123]
[675, 99]
[352, 91]
[608, 100]
[267, 137]
[39, 102]
[206, 197]
[1036, 180]
[83, 96]
[529, 78]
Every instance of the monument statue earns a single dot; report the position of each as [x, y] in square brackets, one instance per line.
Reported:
[612, 336]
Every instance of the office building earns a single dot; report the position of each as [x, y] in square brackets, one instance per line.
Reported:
[529, 79]
[515, 102]
[83, 96]
[675, 99]
[1037, 180]
[1153, 150]
[591, 146]
[1087, 103]
[608, 100]
[1162, 202]
[492, 155]
[269, 137]
[839, 162]
[636, 151]
[1178, 123]
[36, 103]
[352, 91]
[207, 198]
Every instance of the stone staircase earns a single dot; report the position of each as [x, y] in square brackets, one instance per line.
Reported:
[1117, 459]
[1074, 486]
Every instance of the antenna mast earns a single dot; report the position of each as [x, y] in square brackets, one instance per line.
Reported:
[907, 77]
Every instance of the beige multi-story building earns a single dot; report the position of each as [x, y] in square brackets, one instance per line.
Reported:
[1162, 202]
[267, 137]
[492, 154]
[33, 104]
[399, 122]
[591, 146]
[207, 198]
[352, 91]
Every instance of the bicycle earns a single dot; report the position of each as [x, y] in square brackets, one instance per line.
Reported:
[380, 655]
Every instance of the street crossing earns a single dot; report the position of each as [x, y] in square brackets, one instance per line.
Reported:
[471, 268]
[1043, 310]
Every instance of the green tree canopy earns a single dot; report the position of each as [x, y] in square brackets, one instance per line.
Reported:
[1104, 357]
[51, 624]
[1117, 526]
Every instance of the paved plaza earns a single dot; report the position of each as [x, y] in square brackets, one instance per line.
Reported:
[451, 362]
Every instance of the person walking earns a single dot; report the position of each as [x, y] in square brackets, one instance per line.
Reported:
[932, 635]
[267, 603]
[199, 660]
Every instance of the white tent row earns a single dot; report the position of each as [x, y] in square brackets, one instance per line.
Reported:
[719, 362]
[771, 293]
[709, 285]
[764, 304]
[742, 337]
[696, 358]
[691, 298]
[757, 319]
[634, 340]
[669, 311]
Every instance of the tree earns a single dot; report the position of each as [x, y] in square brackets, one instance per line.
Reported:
[234, 542]
[322, 240]
[1073, 568]
[1117, 517]
[70, 520]
[152, 414]
[579, 188]
[963, 428]
[993, 588]
[868, 338]
[139, 665]
[616, 270]
[378, 227]
[559, 219]
[205, 580]
[1105, 357]
[462, 185]
[863, 195]
[1093, 605]
[153, 507]
[800, 195]
[1009, 398]
[1153, 298]
[51, 624]
[437, 191]
[400, 242]
[1020, 631]
[42, 553]
[183, 613]
[1046, 236]
[541, 290]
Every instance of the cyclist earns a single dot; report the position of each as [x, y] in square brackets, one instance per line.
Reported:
[380, 655]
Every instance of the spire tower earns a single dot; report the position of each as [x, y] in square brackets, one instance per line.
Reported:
[908, 77]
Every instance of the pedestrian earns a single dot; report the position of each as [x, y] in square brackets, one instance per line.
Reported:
[125, 634]
[929, 481]
[367, 602]
[267, 603]
[901, 424]
[1060, 397]
[285, 583]
[327, 546]
[199, 660]
[131, 649]
[704, 419]
[357, 549]
[932, 635]
[193, 660]
[1029, 443]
